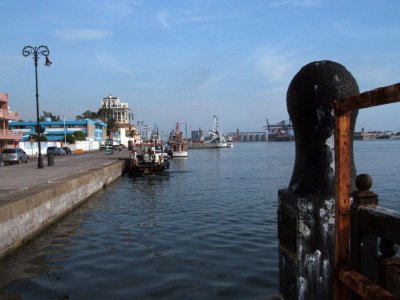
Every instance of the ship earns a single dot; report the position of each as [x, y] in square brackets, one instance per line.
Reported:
[213, 139]
[177, 145]
[280, 132]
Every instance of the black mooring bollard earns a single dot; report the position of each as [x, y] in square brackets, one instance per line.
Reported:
[306, 209]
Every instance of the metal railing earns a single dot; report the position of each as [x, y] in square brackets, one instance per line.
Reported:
[8, 115]
[16, 133]
[358, 225]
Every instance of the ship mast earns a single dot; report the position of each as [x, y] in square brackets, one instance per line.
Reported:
[215, 125]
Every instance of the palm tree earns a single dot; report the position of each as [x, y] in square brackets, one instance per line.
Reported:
[88, 115]
[34, 137]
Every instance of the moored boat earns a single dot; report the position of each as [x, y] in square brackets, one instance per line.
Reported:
[214, 139]
[145, 159]
[177, 145]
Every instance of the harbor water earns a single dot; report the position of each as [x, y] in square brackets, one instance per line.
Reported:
[207, 230]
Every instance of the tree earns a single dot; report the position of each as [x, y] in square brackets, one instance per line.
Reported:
[70, 138]
[34, 137]
[88, 115]
[47, 114]
[79, 136]
[105, 114]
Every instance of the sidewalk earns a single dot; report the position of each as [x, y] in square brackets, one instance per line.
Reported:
[19, 178]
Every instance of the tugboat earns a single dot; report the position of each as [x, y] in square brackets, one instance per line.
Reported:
[146, 160]
[177, 145]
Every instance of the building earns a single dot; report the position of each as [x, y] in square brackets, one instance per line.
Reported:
[122, 116]
[7, 136]
[197, 135]
[119, 110]
[94, 130]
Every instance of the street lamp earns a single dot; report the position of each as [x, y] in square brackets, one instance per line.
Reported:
[35, 52]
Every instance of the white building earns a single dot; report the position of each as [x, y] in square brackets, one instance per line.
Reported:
[120, 112]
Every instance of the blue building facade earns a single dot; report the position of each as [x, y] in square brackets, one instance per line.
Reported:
[94, 130]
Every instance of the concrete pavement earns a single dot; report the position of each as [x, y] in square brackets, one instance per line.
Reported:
[31, 199]
[19, 178]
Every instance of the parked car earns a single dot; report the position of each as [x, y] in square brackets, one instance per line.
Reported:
[54, 150]
[14, 156]
[67, 150]
[62, 151]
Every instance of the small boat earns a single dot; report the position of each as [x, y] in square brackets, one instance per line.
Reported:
[146, 159]
[214, 139]
[177, 145]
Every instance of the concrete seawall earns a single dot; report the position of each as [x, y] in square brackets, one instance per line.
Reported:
[26, 213]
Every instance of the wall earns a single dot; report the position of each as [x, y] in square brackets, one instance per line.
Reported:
[25, 214]
[31, 148]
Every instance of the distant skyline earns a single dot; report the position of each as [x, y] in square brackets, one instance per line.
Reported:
[184, 61]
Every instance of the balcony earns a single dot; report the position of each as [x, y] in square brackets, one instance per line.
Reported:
[14, 135]
[8, 115]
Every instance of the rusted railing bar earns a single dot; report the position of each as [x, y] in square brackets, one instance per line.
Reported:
[381, 221]
[342, 200]
[363, 286]
[379, 96]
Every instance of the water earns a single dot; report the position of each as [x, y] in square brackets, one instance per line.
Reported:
[381, 160]
[206, 231]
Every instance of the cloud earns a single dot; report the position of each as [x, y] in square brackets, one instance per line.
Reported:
[110, 9]
[276, 65]
[121, 8]
[162, 18]
[109, 61]
[79, 34]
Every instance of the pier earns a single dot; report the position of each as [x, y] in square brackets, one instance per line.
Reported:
[31, 199]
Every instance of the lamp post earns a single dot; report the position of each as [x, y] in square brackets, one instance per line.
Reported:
[35, 52]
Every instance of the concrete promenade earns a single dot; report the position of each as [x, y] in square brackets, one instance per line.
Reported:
[31, 199]
[19, 178]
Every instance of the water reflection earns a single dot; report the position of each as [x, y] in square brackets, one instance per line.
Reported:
[179, 163]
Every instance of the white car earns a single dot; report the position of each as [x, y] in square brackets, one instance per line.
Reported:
[14, 156]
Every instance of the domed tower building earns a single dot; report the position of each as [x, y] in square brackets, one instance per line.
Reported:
[123, 129]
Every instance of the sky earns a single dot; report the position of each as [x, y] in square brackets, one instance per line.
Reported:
[186, 60]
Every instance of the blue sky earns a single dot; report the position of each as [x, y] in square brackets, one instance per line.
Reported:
[183, 61]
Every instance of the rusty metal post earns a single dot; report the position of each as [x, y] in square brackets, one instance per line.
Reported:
[342, 207]
[363, 245]
[306, 209]
[389, 273]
